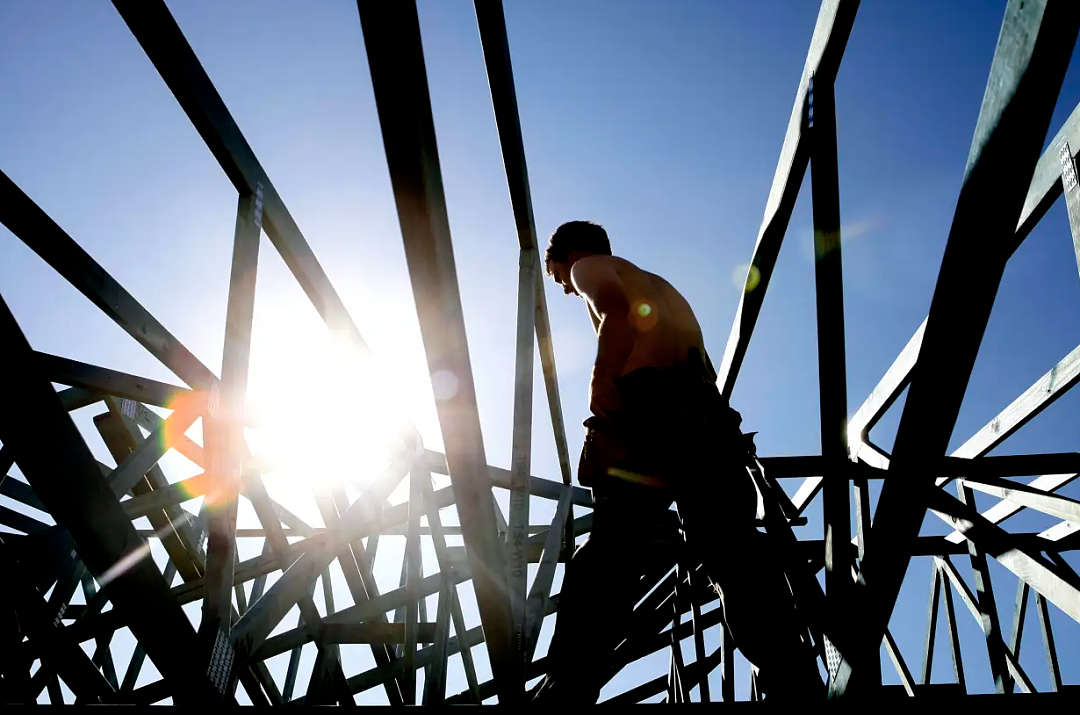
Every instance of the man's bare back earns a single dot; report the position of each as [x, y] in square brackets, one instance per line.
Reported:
[665, 328]
[641, 321]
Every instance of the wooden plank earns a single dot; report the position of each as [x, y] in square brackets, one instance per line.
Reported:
[1048, 643]
[951, 628]
[491, 22]
[1029, 64]
[389, 633]
[987, 605]
[1019, 615]
[898, 662]
[111, 382]
[1027, 496]
[224, 441]
[931, 627]
[414, 572]
[831, 358]
[540, 593]
[1071, 189]
[171, 524]
[521, 452]
[1024, 408]
[1001, 511]
[148, 452]
[435, 680]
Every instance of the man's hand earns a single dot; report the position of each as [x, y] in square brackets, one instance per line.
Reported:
[603, 397]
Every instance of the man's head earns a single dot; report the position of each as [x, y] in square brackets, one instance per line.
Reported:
[570, 242]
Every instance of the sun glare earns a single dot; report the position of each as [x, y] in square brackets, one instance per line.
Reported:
[321, 413]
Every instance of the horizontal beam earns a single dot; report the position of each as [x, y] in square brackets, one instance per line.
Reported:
[111, 382]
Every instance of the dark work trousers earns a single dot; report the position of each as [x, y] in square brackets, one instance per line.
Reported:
[676, 426]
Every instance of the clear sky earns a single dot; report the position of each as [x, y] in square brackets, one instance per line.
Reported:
[661, 120]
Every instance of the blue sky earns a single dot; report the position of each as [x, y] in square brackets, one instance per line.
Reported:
[662, 121]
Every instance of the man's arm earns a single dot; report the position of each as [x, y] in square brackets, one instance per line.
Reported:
[599, 283]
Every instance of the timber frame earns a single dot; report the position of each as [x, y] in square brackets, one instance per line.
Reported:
[94, 546]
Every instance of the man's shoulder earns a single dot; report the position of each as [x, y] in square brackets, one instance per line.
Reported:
[595, 266]
[601, 263]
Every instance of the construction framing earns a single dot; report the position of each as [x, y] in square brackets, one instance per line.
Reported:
[94, 546]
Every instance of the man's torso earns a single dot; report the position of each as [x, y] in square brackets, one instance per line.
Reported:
[666, 329]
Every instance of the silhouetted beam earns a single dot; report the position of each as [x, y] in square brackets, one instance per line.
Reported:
[110, 382]
[538, 486]
[1033, 52]
[36, 621]
[160, 37]
[43, 236]
[380, 633]
[69, 482]
[1052, 385]
[1059, 506]
[363, 518]
[224, 437]
[823, 60]
[492, 24]
[399, 80]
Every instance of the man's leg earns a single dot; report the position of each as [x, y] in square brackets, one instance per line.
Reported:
[598, 594]
[758, 606]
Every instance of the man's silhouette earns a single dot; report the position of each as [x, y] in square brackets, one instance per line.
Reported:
[660, 432]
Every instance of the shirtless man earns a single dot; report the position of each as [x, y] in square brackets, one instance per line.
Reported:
[660, 433]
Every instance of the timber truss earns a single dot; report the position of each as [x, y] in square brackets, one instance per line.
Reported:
[95, 547]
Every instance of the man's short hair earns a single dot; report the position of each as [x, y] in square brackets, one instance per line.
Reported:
[584, 236]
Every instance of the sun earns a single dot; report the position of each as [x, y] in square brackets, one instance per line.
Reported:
[321, 411]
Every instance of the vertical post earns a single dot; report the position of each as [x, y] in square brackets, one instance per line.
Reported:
[438, 543]
[988, 615]
[950, 624]
[413, 574]
[727, 674]
[399, 81]
[832, 379]
[863, 520]
[102, 654]
[224, 441]
[700, 658]
[1020, 614]
[1071, 188]
[931, 626]
[520, 461]
[1048, 643]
